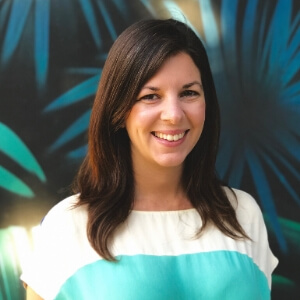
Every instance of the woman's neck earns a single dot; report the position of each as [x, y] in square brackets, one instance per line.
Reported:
[159, 189]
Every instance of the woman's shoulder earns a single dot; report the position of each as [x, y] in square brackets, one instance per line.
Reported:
[60, 243]
[246, 207]
[64, 226]
[65, 204]
[67, 211]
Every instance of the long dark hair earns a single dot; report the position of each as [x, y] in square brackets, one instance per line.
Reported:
[105, 180]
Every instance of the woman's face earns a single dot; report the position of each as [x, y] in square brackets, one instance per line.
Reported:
[167, 119]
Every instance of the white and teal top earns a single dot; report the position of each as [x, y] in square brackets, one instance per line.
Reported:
[159, 257]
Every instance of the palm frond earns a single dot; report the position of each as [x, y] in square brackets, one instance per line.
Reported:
[12, 146]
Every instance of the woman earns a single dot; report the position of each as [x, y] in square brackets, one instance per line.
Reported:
[151, 220]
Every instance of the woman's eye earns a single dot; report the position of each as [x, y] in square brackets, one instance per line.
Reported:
[189, 93]
[149, 97]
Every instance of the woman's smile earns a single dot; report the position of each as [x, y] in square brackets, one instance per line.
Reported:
[171, 137]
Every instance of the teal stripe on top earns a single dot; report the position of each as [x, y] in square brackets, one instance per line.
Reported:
[225, 275]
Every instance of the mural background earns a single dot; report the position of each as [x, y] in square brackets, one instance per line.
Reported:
[51, 57]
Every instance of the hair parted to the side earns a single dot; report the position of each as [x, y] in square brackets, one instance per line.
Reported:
[105, 180]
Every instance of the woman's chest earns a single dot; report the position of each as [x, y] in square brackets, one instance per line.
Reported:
[212, 275]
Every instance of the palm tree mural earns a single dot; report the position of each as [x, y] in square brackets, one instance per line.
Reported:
[253, 48]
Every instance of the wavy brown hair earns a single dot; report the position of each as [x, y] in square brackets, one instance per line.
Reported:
[105, 180]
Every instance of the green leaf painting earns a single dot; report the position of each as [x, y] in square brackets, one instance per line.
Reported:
[13, 147]
[13, 184]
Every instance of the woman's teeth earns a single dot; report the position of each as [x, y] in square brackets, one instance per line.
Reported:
[169, 137]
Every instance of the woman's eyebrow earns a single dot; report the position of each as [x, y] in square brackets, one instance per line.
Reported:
[188, 85]
[152, 88]
[185, 86]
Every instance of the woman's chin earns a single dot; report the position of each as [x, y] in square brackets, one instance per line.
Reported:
[170, 162]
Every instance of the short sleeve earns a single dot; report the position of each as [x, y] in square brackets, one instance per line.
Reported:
[250, 217]
[50, 263]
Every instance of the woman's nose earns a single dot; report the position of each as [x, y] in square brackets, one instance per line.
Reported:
[172, 110]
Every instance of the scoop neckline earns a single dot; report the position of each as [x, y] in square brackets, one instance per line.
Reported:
[134, 211]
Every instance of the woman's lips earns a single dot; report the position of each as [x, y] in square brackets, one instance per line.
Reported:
[170, 137]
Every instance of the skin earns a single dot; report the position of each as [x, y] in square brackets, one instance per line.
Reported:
[31, 294]
[171, 103]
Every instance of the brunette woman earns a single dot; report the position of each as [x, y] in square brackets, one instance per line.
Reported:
[150, 219]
